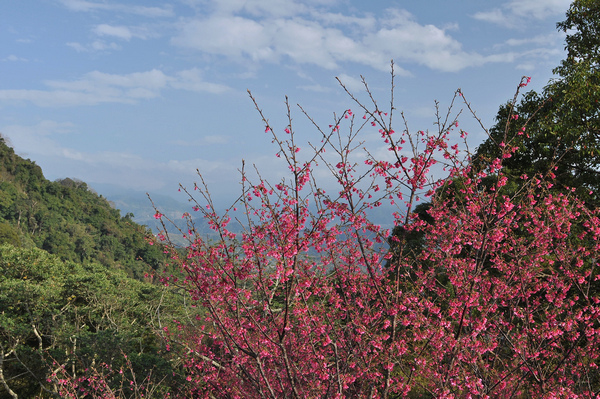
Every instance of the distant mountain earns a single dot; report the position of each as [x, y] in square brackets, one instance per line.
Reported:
[130, 202]
[137, 203]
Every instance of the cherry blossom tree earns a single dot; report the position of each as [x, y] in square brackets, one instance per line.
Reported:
[500, 298]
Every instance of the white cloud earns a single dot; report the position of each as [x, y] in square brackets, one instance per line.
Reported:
[137, 172]
[531, 60]
[98, 87]
[77, 47]
[37, 138]
[516, 12]
[126, 169]
[271, 8]
[545, 40]
[404, 40]
[125, 33]
[329, 19]
[267, 40]
[538, 9]
[191, 79]
[352, 83]
[533, 52]
[47, 127]
[97, 45]
[306, 42]
[526, 67]
[326, 40]
[216, 139]
[100, 45]
[122, 32]
[495, 16]
[88, 6]
[14, 58]
[229, 36]
[61, 98]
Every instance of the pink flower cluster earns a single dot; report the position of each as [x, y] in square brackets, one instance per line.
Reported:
[498, 299]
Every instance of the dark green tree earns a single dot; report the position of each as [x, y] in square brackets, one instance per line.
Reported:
[562, 124]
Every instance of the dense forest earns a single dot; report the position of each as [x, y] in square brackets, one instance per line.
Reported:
[76, 286]
[67, 219]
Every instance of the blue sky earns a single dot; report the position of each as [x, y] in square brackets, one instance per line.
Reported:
[139, 94]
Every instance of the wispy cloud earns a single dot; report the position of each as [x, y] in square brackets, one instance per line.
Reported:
[543, 40]
[538, 9]
[531, 52]
[118, 32]
[14, 58]
[121, 32]
[192, 80]
[37, 138]
[495, 16]
[98, 87]
[88, 6]
[96, 45]
[517, 12]
[127, 169]
[270, 8]
[352, 83]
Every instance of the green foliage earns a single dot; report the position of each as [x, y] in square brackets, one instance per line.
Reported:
[562, 124]
[405, 243]
[71, 301]
[65, 218]
[77, 316]
[9, 234]
[583, 39]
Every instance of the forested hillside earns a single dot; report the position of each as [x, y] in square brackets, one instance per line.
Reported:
[60, 318]
[73, 291]
[69, 220]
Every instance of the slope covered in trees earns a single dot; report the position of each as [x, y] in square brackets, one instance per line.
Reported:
[61, 318]
[69, 220]
[73, 292]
